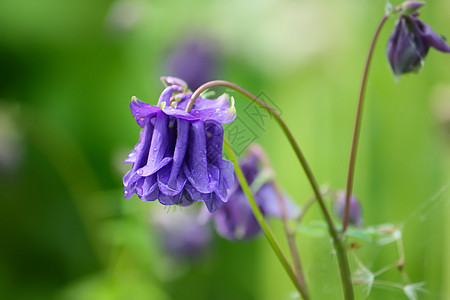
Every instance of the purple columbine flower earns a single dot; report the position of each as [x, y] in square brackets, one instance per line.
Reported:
[355, 212]
[235, 220]
[411, 39]
[178, 159]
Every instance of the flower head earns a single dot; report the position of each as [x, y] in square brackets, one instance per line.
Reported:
[411, 39]
[355, 212]
[235, 220]
[178, 159]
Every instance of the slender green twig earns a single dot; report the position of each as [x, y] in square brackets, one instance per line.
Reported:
[305, 209]
[338, 243]
[259, 217]
[351, 168]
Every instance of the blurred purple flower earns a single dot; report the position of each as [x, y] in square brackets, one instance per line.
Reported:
[194, 59]
[178, 159]
[235, 220]
[410, 41]
[181, 233]
[355, 212]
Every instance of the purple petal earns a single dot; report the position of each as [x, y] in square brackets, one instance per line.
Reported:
[146, 186]
[179, 113]
[171, 178]
[142, 110]
[150, 197]
[139, 154]
[131, 158]
[167, 93]
[431, 38]
[214, 203]
[169, 200]
[221, 110]
[203, 176]
[186, 199]
[158, 148]
[195, 195]
[128, 189]
[214, 143]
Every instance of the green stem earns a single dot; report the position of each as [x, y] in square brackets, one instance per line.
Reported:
[259, 217]
[351, 168]
[338, 243]
[290, 234]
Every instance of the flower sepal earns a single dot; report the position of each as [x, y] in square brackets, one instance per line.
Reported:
[410, 7]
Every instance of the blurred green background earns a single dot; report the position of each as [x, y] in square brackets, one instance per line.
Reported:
[67, 72]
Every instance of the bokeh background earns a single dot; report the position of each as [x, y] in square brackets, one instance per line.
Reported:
[67, 72]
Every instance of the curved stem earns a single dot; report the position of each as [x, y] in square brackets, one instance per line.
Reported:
[351, 168]
[340, 251]
[259, 217]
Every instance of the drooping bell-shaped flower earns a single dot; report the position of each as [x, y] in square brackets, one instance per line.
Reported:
[355, 212]
[411, 40]
[178, 159]
[235, 220]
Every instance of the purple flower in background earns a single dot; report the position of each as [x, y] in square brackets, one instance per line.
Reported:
[178, 159]
[194, 59]
[182, 235]
[235, 220]
[355, 212]
[411, 39]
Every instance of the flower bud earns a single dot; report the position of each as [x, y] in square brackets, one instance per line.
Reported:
[355, 211]
[409, 44]
[409, 7]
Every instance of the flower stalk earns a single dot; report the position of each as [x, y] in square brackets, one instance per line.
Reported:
[337, 241]
[356, 133]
